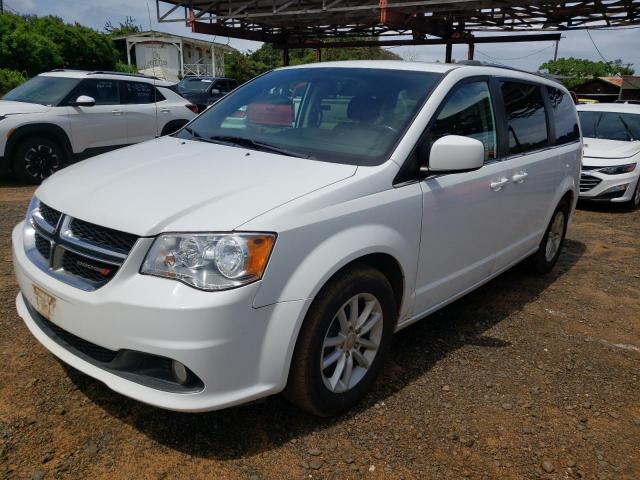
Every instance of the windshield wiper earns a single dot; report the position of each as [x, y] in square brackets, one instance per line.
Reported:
[257, 145]
[626, 127]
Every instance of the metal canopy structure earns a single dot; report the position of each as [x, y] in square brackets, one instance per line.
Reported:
[310, 23]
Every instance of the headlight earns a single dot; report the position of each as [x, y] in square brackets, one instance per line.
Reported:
[210, 261]
[618, 169]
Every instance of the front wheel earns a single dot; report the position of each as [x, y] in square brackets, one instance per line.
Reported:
[551, 245]
[36, 159]
[344, 340]
[634, 203]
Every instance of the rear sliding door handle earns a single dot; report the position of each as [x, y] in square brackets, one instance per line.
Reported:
[519, 177]
[497, 185]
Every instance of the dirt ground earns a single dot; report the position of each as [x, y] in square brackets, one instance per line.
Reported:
[528, 377]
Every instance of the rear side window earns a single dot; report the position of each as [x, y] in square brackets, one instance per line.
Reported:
[564, 116]
[468, 112]
[139, 92]
[526, 118]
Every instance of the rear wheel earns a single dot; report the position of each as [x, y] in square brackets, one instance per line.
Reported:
[551, 245]
[36, 159]
[343, 342]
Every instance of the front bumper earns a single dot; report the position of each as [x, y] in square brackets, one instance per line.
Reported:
[239, 352]
[605, 186]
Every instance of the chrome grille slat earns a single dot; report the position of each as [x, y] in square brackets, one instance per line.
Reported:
[76, 252]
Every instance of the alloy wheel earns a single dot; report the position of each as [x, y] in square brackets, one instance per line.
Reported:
[41, 161]
[351, 342]
[554, 238]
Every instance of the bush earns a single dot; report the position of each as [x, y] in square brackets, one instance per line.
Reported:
[10, 79]
[126, 68]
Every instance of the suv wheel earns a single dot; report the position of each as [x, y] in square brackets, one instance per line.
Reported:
[343, 342]
[551, 245]
[36, 159]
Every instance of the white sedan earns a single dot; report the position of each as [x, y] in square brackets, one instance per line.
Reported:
[610, 169]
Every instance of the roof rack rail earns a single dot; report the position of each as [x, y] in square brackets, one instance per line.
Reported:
[124, 74]
[479, 63]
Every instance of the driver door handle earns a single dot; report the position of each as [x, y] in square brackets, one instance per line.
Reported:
[116, 112]
[519, 177]
[497, 185]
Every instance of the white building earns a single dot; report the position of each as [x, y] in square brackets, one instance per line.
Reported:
[171, 57]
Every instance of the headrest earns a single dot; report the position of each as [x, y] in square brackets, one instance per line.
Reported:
[364, 109]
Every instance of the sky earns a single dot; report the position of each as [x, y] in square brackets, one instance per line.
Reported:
[613, 44]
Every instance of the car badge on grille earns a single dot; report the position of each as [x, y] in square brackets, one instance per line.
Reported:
[101, 270]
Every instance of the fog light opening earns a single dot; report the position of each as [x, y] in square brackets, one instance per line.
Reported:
[180, 373]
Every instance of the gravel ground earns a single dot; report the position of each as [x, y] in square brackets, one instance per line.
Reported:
[528, 377]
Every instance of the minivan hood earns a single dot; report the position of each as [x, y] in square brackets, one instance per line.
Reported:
[9, 107]
[171, 184]
[599, 148]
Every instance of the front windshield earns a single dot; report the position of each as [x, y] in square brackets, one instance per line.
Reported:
[343, 115]
[43, 90]
[610, 125]
[195, 84]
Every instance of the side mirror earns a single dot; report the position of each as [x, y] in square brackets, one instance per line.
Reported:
[215, 91]
[455, 154]
[84, 101]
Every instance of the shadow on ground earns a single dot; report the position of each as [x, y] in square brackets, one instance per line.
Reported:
[258, 427]
[608, 207]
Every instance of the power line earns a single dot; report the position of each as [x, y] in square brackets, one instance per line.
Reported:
[596, 47]
[515, 58]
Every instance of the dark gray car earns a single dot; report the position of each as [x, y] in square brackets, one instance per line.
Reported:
[203, 91]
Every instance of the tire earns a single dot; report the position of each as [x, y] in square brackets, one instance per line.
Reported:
[551, 245]
[314, 389]
[37, 158]
[634, 203]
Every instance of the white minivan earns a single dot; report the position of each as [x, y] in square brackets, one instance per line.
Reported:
[277, 241]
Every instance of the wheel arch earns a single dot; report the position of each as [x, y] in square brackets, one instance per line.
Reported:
[48, 130]
[383, 261]
[172, 126]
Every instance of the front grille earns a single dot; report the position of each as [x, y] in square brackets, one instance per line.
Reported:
[50, 215]
[102, 236]
[43, 246]
[87, 268]
[587, 182]
[76, 252]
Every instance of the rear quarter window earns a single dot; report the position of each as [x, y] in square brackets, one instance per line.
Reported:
[564, 116]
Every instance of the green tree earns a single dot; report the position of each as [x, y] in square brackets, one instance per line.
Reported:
[36, 44]
[578, 70]
[123, 28]
[10, 79]
[245, 66]
[23, 49]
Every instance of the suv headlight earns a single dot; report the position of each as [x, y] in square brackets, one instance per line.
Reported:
[619, 169]
[210, 261]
